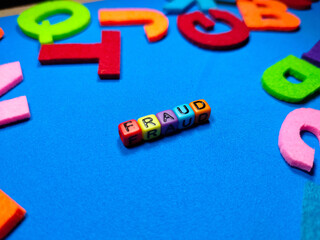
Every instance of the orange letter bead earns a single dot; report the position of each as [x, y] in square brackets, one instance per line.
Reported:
[201, 110]
[265, 15]
[130, 133]
[10, 214]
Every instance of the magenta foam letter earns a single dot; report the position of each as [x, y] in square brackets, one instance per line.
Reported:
[293, 149]
[10, 76]
[15, 109]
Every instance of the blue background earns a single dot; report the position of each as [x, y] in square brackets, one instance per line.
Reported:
[224, 180]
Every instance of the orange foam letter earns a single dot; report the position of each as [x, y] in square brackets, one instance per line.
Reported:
[1, 33]
[264, 15]
[10, 214]
[156, 23]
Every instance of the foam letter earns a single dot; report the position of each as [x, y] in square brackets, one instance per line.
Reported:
[156, 23]
[293, 149]
[275, 83]
[14, 109]
[180, 6]
[297, 4]
[30, 20]
[1, 33]
[10, 214]
[10, 76]
[264, 15]
[237, 37]
[313, 56]
[106, 53]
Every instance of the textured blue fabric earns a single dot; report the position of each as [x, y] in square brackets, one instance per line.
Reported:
[311, 212]
[223, 180]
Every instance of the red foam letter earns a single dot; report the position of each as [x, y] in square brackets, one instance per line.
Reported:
[297, 4]
[1, 33]
[235, 38]
[106, 53]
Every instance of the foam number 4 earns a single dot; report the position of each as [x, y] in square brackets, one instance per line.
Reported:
[15, 109]
[293, 149]
[238, 36]
[275, 83]
[32, 21]
[155, 23]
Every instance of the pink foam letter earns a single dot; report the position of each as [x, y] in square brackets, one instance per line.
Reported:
[13, 110]
[293, 149]
[10, 76]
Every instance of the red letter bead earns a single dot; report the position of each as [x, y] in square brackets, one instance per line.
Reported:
[130, 133]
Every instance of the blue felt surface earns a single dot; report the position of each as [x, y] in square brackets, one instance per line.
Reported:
[224, 180]
[310, 224]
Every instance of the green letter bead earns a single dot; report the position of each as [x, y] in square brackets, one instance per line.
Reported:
[32, 21]
[275, 83]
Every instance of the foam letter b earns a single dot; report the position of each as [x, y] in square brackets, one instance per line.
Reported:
[264, 15]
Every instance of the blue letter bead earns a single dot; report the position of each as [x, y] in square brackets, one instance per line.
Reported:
[185, 116]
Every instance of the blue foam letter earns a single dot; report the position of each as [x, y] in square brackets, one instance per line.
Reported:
[179, 6]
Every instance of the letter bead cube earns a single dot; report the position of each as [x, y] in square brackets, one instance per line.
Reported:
[201, 110]
[130, 133]
[185, 116]
[150, 126]
[169, 122]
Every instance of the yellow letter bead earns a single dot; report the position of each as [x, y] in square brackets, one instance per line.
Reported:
[150, 126]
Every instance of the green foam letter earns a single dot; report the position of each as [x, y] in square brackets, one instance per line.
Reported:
[275, 83]
[32, 21]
